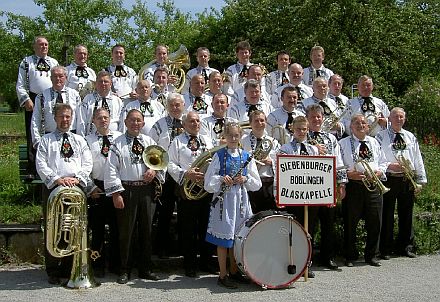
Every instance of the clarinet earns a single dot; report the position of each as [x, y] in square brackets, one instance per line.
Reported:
[258, 150]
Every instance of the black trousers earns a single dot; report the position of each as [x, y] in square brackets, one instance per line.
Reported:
[135, 218]
[263, 199]
[361, 203]
[101, 212]
[55, 266]
[30, 148]
[193, 216]
[402, 191]
[165, 214]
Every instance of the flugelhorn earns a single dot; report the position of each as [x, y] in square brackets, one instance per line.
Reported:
[408, 172]
[66, 233]
[371, 181]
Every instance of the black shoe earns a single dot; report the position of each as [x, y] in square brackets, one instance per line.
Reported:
[54, 280]
[149, 276]
[311, 274]
[239, 278]
[385, 257]
[373, 262]
[123, 278]
[331, 264]
[409, 254]
[226, 282]
[191, 273]
[348, 263]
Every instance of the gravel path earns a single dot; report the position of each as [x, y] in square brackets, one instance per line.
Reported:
[399, 279]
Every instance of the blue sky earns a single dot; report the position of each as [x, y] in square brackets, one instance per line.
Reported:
[29, 8]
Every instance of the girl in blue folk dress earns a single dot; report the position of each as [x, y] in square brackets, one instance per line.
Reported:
[229, 213]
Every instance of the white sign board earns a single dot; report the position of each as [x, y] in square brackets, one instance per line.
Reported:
[306, 180]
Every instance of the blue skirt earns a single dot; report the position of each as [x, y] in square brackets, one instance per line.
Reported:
[226, 243]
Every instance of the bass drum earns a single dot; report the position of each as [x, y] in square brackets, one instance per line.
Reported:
[272, 249]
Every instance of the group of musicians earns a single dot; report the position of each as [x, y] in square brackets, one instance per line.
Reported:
[95, 138]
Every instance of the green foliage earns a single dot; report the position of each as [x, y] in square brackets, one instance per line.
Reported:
[422, 104]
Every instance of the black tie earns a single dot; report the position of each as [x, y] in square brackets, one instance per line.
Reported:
[193, 143]
[137, 147]
[199, 104]
[289, 121]
[66, 148]
[326, 108]
[81, 72]
[244, 72]
[105, 105]
[252, 108]
[284, 79]
[146, 106]
[303, 150]
[319, 73]
[120, 72]
[205, 75]
[59, 98]
[368, 104]
[399, 142]
[317, 137]
[218, 127]
[105, 145]
[364, 151]
[298, 91]
[177, 128]
[42, 65]
[339, 102]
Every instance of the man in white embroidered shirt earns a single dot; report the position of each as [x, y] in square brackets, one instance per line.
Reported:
[130, 183]
[63, 159]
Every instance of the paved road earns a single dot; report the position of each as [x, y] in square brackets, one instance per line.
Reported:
[399, 279]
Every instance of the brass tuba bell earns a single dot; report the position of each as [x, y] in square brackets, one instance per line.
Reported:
[155, 157]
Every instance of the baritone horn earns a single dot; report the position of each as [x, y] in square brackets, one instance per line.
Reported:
[66, 234]
[156, 158]
[194, 190]
[371, 181]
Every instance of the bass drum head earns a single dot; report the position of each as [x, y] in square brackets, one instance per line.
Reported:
[263, 251]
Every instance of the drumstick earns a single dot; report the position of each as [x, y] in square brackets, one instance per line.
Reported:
[306, 227]
[291, 268]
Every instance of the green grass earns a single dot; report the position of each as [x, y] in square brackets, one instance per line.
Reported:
[12, 123]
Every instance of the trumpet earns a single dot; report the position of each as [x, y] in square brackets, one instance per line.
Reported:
[408, 172]
[371, 181]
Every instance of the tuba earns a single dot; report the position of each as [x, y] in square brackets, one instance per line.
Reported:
[156, 158]
[371, 181]
[66, 234]
[195, 190]
[175, 63]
